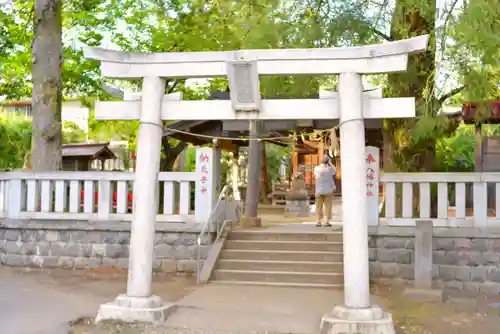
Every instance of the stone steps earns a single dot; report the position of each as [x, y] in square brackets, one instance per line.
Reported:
[331, 236]
[289, 266]
[300, 259]
[281, 255]
[282, 284]
[319, 246]
[278, 276]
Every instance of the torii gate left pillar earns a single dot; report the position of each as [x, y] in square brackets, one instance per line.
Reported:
[357, 314]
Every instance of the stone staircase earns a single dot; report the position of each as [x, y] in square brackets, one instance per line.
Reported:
[300, 259]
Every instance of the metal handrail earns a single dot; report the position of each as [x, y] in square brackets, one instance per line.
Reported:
[205, 229]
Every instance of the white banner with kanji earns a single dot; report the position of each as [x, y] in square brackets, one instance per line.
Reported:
[372, 183]
[205, 196]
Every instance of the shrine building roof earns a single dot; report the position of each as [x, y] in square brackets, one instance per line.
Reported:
[91, 151]
[488, 112]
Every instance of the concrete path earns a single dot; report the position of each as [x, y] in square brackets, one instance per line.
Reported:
[38, 302]
[42, 302]
[238, 308]
[27, 306]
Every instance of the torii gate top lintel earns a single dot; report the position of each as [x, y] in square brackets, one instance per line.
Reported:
[387, 57]
[368, 59]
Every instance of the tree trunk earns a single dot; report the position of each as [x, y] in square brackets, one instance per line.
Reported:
[264, 176]
[170, 154]
[418, 81]
[47, 86]
[400, 151]
[387, 164]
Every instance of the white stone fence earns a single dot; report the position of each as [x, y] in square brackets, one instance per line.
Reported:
[462, 199]
[183, 197]
[87, 195]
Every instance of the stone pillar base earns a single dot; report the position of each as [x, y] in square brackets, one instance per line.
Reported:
[248, 222]
[343, 320]
[135, 309]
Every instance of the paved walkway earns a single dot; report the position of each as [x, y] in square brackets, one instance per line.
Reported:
[233, 308]
[27, 306]
[42, 303]
[276, 216]
[38, 302]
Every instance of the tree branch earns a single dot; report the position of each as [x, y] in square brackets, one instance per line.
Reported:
[375, 30]
[177, 149]
[449, 13]
[171, 88]
[451, 93]
[379, 33]
[172, 47]
[30, 16]
[171, 153]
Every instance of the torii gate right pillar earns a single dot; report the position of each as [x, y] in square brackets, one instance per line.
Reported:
[357, 314]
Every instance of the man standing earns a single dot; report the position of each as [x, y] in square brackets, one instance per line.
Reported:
[325, 186]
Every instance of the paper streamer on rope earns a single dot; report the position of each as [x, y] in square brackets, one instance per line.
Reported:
[333, 147]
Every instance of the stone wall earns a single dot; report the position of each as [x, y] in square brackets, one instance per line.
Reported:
[465, 259]
[87, 245]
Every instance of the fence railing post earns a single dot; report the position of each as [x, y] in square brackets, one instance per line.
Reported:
[4, 196]
[480, 203]
[14, 199]
[422, 285]
[104, 200]
[423, 254]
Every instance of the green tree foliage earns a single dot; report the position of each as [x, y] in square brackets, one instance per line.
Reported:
[476, 48]
[15, 139]
[457, 42]
[461, 64]
[72, 134]
[15, 49]
[165, 26]
[456, 153]
[83, 23]
[275, 156]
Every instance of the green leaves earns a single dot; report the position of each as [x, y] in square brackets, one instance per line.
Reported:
[476, 48]
[83, 23]
[15, 139]
[466, 41]
[457, 153]
[15, 54]
[72, 133]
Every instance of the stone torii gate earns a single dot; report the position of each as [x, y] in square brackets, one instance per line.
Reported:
[243, 68]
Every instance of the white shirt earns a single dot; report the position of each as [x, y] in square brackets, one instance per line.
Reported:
[324, 179]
